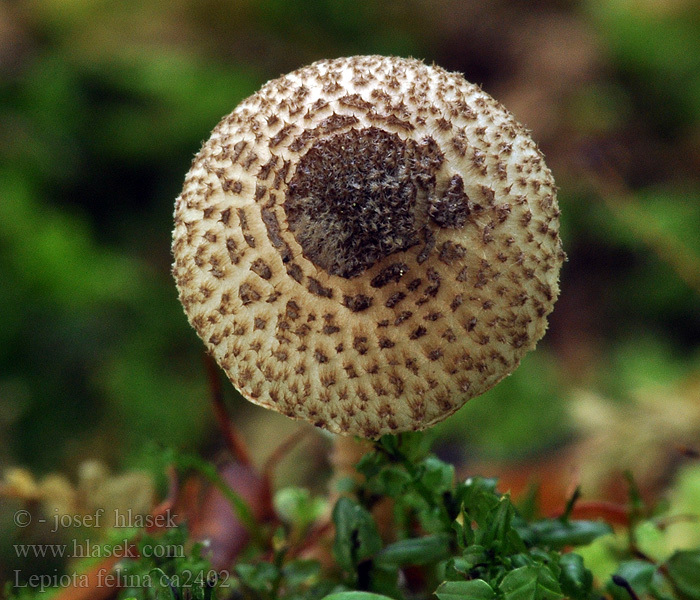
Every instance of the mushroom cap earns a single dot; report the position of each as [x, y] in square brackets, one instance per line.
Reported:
[367, 243]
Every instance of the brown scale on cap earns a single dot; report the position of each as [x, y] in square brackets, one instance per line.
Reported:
[367, 243]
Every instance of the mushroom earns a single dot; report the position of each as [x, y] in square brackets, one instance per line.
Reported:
[366, 243]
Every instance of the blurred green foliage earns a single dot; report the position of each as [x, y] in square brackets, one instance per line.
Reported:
[102, 106]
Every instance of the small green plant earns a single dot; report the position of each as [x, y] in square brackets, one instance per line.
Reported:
[168, 566]
[455, 539]
[409, 529]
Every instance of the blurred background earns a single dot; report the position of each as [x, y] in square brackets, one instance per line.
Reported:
[103, 105]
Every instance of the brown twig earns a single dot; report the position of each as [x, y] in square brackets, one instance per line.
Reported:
[312, 539]
[232, 437]
[282, 449]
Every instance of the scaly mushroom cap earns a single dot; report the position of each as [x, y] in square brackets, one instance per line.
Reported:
[366, 243]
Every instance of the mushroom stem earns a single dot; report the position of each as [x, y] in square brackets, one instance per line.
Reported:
[344, 456]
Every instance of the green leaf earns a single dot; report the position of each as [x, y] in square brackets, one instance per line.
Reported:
[457, 568]
[530, 583]
[392, 482]
[416, 551]
[356, 596]
[410, 445]
[437, 475]
[576, 581]
[476, 589]
[478, 495]
[371, 464]
[298, 572]
[297, 507]
[259, 577]
[498, 532]
[555, 533]
[474, 555]
[384, 580]
[684, 572]
[463, 530]
[498, 524]
[356, 537]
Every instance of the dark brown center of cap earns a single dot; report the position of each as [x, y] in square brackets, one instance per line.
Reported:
[353, 198]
